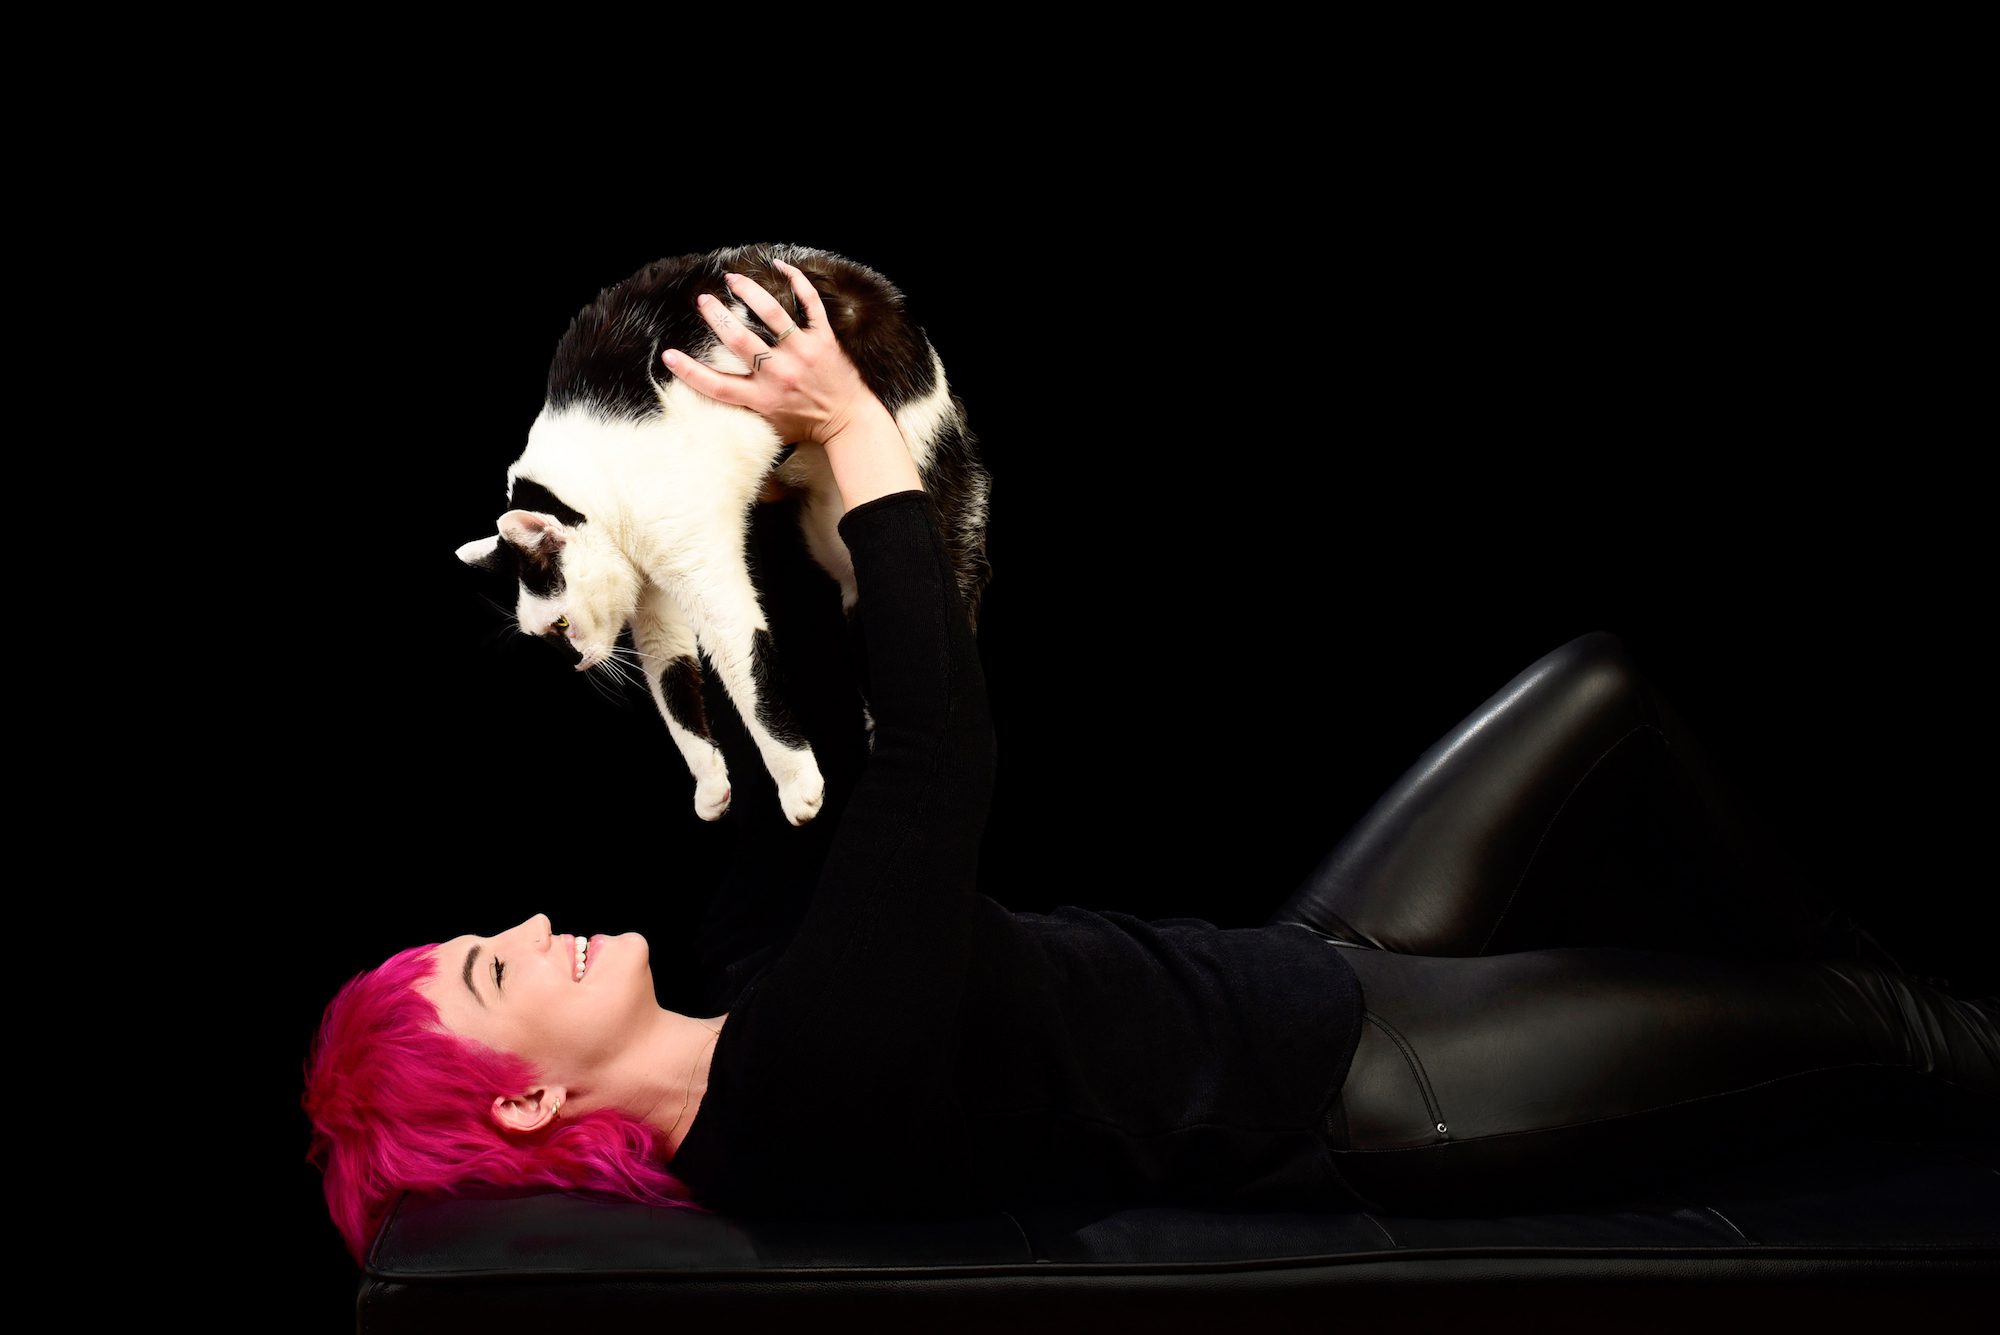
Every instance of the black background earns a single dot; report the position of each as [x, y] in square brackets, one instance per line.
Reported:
[1286, 484]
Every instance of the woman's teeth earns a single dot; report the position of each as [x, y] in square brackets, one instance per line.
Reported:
[582, 956]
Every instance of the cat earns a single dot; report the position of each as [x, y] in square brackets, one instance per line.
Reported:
[630, 505]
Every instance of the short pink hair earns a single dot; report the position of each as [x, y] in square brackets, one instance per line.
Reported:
[399, 1103]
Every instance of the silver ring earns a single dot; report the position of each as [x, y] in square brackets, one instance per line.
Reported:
[789, 331]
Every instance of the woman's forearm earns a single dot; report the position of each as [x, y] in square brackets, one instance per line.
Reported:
[870, 458]
[891, 913]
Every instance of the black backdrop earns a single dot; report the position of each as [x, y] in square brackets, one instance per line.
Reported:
[1279, 497]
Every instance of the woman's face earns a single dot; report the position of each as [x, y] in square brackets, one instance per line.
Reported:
[518, 992]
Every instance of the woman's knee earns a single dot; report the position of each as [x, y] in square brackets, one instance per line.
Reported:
[1596, 671]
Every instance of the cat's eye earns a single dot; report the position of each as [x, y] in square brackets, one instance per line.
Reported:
[562, 623]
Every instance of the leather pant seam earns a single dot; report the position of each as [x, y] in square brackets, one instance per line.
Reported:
[1416, 1069]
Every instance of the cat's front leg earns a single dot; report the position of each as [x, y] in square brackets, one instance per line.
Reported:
[666, 646]
[730, 624]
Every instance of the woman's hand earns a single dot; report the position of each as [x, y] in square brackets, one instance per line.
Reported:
[804, 385]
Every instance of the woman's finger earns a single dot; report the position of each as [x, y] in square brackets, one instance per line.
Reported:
[704, 379]
[757, 299]
[807, 294]
[738, 337]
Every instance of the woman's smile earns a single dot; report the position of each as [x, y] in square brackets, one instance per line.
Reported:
[582, 951]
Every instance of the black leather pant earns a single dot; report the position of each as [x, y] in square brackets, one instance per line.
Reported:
[1588, 967]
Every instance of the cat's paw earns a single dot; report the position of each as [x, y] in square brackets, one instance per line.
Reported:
[802, 791]
[711, 791]
[707, 805]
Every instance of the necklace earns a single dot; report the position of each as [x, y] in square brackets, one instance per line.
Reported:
[717, 1031]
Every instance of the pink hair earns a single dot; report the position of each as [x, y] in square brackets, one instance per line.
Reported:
[399, 1103]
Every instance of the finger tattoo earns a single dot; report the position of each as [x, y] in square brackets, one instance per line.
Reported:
[758, 361]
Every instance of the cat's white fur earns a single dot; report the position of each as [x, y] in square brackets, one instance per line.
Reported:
[668, 502]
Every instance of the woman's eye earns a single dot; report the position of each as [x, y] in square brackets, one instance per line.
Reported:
[499, 968]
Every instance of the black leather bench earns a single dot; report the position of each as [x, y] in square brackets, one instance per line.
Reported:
[1842, 1227]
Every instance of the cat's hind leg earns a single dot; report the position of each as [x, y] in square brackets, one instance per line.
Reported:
[729, 622]
[666, 645]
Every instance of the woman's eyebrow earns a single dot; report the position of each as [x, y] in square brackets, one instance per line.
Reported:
[470, 957]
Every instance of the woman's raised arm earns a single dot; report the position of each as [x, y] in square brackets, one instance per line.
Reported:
[882, 945]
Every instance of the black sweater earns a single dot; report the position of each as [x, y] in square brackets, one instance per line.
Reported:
[917, 1047]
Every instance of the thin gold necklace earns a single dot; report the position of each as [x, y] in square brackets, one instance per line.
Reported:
[690, 1094]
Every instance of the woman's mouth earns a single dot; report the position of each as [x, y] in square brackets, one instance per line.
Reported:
[585, 948]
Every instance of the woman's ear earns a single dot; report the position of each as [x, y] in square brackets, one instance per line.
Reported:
[530, 1111]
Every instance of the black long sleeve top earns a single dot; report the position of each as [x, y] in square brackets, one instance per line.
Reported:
[918, 1048]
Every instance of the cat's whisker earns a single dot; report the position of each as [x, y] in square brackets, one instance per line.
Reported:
[508, 622]
[503, 611]
[609, 686]
[626, 670]
[592, 670]
[621, 671]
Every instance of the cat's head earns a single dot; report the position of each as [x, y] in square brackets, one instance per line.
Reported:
[575, 588]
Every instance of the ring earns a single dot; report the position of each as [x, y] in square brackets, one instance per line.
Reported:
[789, 331]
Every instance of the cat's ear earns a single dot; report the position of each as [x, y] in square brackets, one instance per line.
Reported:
[482, 554]
[528, 530]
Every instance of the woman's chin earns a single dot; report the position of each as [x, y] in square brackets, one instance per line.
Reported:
[629, 950]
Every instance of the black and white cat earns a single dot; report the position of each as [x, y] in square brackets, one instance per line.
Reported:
[631, 504]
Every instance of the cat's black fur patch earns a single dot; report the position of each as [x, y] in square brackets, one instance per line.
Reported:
[565, 645]
[528, 494]
[680, 687]
[540, 570]
[772, 711]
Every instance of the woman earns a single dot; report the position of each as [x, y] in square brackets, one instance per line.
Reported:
[1443, 1017]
